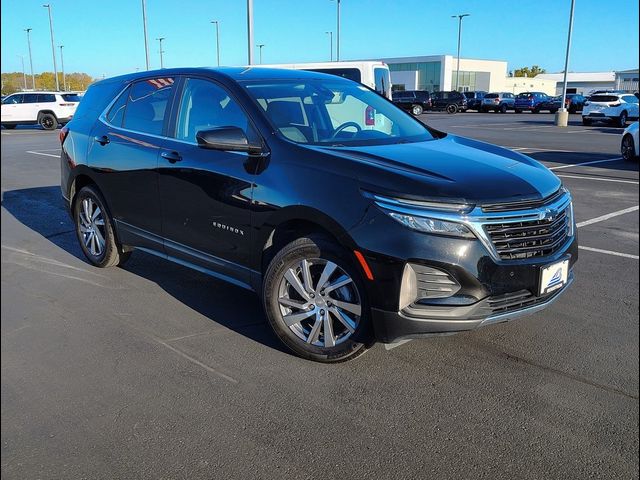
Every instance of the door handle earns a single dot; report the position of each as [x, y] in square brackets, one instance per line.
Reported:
[102, 140]
[171, 157]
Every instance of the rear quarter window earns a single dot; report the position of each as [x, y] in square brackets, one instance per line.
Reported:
[71, 97]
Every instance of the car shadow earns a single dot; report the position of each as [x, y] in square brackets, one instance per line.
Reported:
[42, 210]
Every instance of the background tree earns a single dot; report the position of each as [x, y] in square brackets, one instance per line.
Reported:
[528, 71]
[14, 82]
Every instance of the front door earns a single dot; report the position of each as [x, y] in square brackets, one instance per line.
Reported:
[206, 194]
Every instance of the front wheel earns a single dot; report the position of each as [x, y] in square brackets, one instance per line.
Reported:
[315, 301]
[622, 120]
[416, 110]
[452, 108]
[94, 229]
[628, 148]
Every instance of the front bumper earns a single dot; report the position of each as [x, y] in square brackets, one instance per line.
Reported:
[390, 326]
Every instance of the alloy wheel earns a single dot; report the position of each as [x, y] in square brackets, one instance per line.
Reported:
[628, 148]
[319, 302]
[46, 123]
[91, 225]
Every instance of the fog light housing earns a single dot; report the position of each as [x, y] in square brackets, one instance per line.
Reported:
[420, 282]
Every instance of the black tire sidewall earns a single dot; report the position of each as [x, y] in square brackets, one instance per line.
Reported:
[314, 247]
[53, 119]
[111, 248]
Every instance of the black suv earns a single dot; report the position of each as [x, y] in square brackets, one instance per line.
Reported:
[353, 221]
[474, 99]
[451, 102]
[414, 101]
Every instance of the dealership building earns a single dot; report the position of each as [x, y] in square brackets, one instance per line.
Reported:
[438, 72]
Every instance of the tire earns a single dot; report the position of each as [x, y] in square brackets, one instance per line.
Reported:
[48, 121]
[452, 108]
[91, 216]
[281, 299]
[622, 120]
[535, 110]
[553, 110]
[586, 121]
[9, 127]
[517, 110]
[483, 110]
[627, 148]
[503, 108]
[416, 110]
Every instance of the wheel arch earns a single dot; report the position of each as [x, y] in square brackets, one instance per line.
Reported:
[44, 112]
[293, 222]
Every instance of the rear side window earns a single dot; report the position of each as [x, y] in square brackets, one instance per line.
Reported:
[630, 98]
[30, 98]
[46, 98]
[116, 113]
[71, 97]
[147, 104]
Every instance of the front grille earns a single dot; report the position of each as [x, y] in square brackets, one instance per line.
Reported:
[510, 302]
[532, 238]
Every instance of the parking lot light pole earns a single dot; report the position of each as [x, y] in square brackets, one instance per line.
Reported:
[330, 44]
[33, 77]
[459, 17]
[562, 116]
[217, 40]
[24, 74]
[161, 51]
[338, 31]
[260, 45]
[64, 79]
[144, 27]
[53, 47]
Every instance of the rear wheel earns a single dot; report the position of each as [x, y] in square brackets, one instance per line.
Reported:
[517, 110]
[535, 110]
[94, 229]
[586, 121]
[416, 110]
[48, 121]
[622, 120]
[503, 108]
[452, 108]
[315, 301]
[628, 148]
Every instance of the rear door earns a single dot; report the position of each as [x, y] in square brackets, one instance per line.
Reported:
[123, 153]
[206, 194]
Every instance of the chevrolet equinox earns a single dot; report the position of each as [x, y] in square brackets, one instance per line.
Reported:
[353, 221]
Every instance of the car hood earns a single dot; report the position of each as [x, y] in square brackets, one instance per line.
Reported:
[451, 168]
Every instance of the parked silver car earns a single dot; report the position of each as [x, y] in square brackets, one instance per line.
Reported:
[498, 102]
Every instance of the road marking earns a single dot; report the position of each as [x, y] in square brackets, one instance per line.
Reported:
[602, 218]
[593, 162]
[634, 182]
[542, 149]
[609, 252]
[45, 154]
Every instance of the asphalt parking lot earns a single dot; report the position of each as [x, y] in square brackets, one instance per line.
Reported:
[157, 371]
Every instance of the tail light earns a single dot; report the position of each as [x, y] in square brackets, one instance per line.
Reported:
[64, 131]
[369, 116]
[496, 100]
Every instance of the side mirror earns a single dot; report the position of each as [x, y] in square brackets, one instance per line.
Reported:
[231, 139]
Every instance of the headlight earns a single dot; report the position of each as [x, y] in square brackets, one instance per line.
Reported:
[432, 225]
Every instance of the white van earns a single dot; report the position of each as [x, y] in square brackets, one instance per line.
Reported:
[374, 75]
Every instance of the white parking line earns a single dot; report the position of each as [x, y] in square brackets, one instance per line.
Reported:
[517, 149]
[602, 218]
[609, 252]
[45, 154]
[633, 182]
[593, 162]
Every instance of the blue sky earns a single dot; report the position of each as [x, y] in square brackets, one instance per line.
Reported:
[105, 37]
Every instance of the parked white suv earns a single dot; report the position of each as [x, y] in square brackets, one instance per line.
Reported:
[612, 107]
[47, 109]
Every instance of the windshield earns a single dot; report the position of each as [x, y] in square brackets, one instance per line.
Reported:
[322, 112]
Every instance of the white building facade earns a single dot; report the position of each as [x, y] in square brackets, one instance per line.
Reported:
[583, 83]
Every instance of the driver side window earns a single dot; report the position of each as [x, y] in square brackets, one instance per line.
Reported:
[205, 105]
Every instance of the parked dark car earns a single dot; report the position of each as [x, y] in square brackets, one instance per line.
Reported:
[573, 103]
[414, 101]
[353, 221]
[474, 99]
[530, 101]
[498, 102]
[451, 102]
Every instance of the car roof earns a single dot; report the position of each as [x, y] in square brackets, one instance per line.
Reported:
[233, 73]
[43, 91]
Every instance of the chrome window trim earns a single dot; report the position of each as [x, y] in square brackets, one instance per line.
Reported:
[476, 219]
